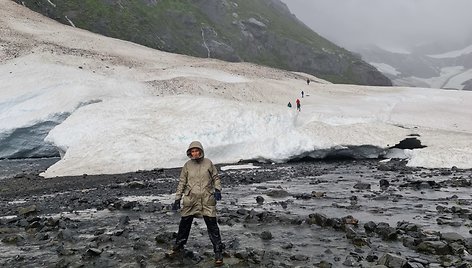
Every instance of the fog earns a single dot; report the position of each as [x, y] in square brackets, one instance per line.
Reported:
[398, 24]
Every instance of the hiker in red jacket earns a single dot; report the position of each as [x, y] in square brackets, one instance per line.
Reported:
[298, 105]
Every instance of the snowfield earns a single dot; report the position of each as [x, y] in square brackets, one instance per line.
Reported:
[115, 107]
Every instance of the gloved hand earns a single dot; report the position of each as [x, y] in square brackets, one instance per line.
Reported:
[176, 205]
[217, 195]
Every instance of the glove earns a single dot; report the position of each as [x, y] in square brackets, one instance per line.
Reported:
[176, 205]
[217, 195]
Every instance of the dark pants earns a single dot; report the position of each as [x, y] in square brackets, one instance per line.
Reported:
[213, 232]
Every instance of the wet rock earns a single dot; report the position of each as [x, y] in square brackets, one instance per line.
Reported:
[65, 235]
[408, 227]
[371, 257]
[242, 254]
[51, 222]
[384, 183]
[25, 211]
[324, 264]
[393, 165]
[304, 196]
[140, 244]
[13, 239]
[277, 193]
[260, 200]
[360, 241]
[318, 219]
[386, 232]
[41, 236]
[299, 257]
[350, 261]
[414, 265]
[456, 248]
[141, 260]
[103, 238]
[242, 211]
[283, 204]
[287, 246]
[318, 194]
[124, 220]
[350, 233]
[434, 247]
[63, 251]
[137, 185]
[129, 204]
[9, 230]
[34, 226]
[94, 251]
[362, 186]
[452, 237]
[370, 227]
[266, 235]
[350, 220]
[233, 244]
[165, 237]
[392, 261]
[63, 263]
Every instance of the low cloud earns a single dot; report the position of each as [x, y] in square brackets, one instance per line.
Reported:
[395, 23]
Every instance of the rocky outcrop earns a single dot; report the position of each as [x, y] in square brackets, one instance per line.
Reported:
[262, 32]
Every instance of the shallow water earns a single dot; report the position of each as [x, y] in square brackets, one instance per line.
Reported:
[12, 167]
[76, 202]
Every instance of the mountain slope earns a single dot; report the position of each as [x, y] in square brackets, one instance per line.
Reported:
[422, 67]
[262, 31]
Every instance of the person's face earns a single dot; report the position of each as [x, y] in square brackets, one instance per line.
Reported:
[195, 153]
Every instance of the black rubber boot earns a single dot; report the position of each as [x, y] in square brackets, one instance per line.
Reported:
[182, 236]
[214, 233]
[218, 259]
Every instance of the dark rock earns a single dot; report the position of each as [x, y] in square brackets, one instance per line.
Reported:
[452, 237]
[260, 200]
[124, 220]
[370, 227]
[324, 264]
[94, 251]
[362, 186]
[287, 246]
[317, 218]
[266, 235]
[13, 239]
[277, 193]
[299, 257]
[25, 211]
[392, 261]
[371, 258]
[434, 247]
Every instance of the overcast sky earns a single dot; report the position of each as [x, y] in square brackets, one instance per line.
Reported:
[392, 23]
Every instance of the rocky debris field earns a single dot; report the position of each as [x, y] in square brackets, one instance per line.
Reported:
[305, 214]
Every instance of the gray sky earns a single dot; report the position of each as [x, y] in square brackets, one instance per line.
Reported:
[389, 23]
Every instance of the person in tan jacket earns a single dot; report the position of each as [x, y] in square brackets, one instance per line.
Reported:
[199, 188]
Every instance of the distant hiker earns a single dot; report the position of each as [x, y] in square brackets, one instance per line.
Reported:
[308, 81]
[289, 105]
[303, 93]
[200, 188]
[298, 105]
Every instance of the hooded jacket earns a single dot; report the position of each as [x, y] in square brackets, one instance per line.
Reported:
[197, 183]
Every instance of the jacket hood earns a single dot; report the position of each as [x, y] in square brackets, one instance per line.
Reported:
[195, 144]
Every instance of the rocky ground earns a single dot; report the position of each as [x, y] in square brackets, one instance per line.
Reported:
[305, 214]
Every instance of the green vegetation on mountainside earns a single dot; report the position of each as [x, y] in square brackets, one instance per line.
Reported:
[258, 31]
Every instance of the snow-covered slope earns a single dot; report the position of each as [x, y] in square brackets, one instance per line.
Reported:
[127, 107]
[449, 70]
